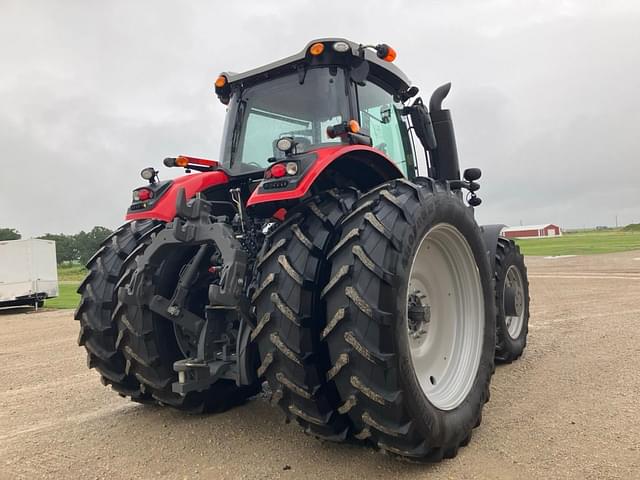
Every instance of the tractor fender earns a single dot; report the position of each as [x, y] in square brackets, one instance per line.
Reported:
[490, 235]
[358, 166]
[163, 208]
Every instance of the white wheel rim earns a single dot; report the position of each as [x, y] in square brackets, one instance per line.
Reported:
[444, 283]
[513, 279]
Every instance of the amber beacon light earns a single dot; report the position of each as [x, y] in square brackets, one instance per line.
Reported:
[316, 49]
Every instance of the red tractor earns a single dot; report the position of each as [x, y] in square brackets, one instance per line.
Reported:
[332, 252]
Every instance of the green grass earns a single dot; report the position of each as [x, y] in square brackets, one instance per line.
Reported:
[582, 243]
[69, 277]
[74, 272]
[68, 298]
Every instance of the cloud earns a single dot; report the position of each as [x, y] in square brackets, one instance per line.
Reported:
[544, 96]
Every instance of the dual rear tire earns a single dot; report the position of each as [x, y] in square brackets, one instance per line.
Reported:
[99, 295]
[410, 313]
[290, 272]
[151, 344]
[131, 347]
[404, 258]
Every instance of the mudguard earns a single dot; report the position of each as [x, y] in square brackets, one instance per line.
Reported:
[490, 234]
[164, 207]
[372, 160]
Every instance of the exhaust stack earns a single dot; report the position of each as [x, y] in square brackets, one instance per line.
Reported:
[445, 157]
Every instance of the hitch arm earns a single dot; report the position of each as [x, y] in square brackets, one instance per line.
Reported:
[187, 278]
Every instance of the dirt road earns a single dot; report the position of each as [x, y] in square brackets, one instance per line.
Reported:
[570, 408]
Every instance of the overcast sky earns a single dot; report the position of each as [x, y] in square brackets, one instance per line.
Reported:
[545, 96]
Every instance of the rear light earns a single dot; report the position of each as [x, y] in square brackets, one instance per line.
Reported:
[190, 162]
[291, 168]
[142, 195]
[278, 170]
[280, 214]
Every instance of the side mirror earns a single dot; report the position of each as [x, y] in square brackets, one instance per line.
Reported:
[421, 121]
[472, 174]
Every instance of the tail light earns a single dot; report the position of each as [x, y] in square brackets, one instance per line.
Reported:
[279, 170]
[142, 195]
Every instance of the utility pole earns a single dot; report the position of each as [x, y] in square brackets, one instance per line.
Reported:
[616, 220]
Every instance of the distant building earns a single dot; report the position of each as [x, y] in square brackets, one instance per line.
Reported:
[529, 231]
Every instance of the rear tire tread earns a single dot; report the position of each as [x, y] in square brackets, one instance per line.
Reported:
[290, 307]
[98, 292]
[144, 350]
[369, 380]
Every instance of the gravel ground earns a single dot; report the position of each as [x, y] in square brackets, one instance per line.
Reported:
[567, 409]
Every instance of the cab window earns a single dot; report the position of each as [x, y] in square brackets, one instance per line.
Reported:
[380, 118]
[283, 106]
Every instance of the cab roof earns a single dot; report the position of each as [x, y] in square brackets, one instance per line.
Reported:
[379, 68]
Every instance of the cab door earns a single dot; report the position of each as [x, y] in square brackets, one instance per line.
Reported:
[381, 119]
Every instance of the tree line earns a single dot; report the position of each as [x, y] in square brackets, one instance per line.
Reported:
[69, 248]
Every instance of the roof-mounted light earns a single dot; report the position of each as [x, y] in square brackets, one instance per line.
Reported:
[316, 49]
[221, 81]
[341, 47]
[385, 52]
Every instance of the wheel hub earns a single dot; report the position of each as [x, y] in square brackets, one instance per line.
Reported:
[418, 314]
[513, 299]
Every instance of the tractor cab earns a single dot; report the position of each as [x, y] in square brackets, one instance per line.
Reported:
[337, 114]
[333, 93]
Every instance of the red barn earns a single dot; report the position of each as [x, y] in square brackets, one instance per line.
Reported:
[528, 231]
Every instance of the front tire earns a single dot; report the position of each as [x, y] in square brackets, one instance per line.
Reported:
[411, 258]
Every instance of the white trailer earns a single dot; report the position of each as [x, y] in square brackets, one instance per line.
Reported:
[28, 272]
